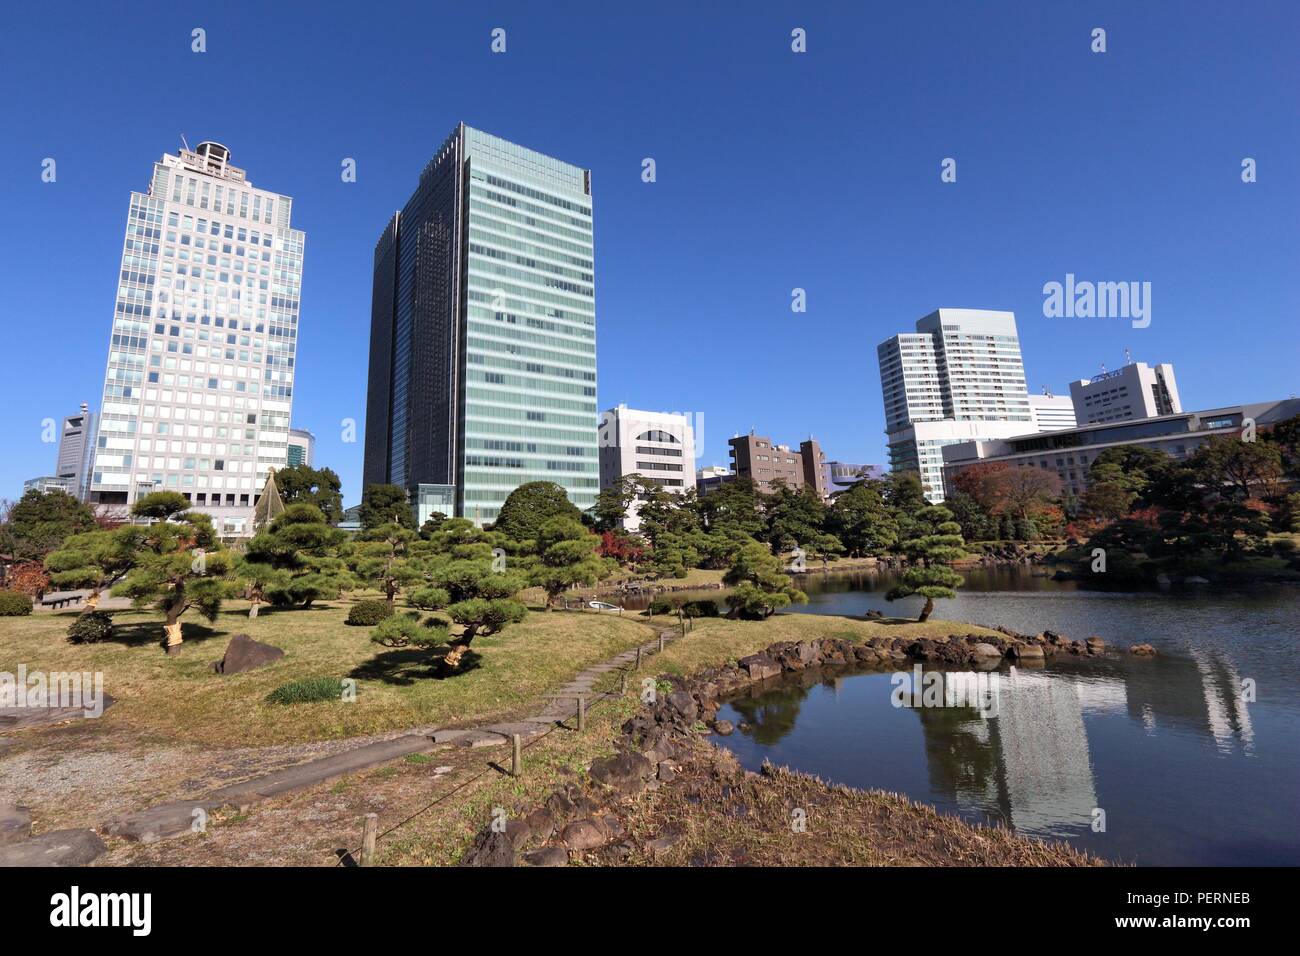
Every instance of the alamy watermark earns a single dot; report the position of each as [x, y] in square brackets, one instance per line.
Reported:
[1100, 300]
[39, 690]
[921, 688]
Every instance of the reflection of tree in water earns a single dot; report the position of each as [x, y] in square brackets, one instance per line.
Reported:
[962, 756]
[772, 715]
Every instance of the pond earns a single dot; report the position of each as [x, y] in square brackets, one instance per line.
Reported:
[1188, 758]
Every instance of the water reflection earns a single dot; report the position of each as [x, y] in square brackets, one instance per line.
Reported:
[1062, 743]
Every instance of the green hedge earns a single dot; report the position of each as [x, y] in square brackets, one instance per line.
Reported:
[368, 613]
[14, 604]
[703, 608]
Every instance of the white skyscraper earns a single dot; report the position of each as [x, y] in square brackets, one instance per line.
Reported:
[959, 377]
[199, 386]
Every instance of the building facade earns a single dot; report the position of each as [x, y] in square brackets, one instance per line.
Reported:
[1071, 452]
[483, 332]
[841, 475]
[199, 386]
[47, 483]
[1136, 390]
[77, 451]
[1051, 413]
[764, 462]
[958, 377]
[302, 448]
[658, 446]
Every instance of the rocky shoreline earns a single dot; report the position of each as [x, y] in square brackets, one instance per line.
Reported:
[662, 754]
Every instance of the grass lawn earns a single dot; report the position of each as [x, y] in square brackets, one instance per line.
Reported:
[715, 641]
[180, 698]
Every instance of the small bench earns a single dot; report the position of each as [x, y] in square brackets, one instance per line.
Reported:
[61, 599]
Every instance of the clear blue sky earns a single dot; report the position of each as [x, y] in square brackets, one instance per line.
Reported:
[775, 171]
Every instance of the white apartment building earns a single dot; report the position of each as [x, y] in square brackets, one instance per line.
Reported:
[1134, 391]
[658, 446]
[959, 377]
[199, 386]
[1052, 413]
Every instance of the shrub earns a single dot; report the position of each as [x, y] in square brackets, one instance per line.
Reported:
[306, 691]
[368, 613]
[91, 628]
[406, 629]
[429, 599]
[661, 605]
[700, 608]
[14, 604]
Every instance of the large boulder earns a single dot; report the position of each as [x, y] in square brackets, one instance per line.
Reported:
[243, 654]
[760, 666]
[583, 835]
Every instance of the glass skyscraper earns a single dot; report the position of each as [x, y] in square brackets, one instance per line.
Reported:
[483, 332]
[199, 386]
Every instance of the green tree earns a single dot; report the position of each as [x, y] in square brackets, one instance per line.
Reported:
[39, 522]
[321, 487]
[530, 506]
[384, 505]
[566, 553]
[95, 560]
[761, 586]
[1239, 469]
[937, 544]
[793, 517]
[732, 506]
[297, 560]
[862, 520]
[179, 563]
[380, 557]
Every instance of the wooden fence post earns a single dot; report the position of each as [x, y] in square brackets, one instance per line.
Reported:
[368, 837]
[517, 756]
[582, 714]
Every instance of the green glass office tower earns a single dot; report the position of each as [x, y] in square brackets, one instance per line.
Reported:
[483, 332]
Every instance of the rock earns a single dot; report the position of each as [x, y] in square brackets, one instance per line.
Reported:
[1196, 579]
[684, 704]
[1142, 650]
[1021, 652]
[492, 848]
[15, 823]
[56, 848]
[760, 666]
[625, 772]
[1095, 645]
[162, 821]
[243, 654]
[723, 727]
[663, 843]
[583, 835]
[548, 856]
[667, 771]
[985, 650]
[542, 823]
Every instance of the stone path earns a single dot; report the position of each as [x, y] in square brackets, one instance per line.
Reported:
[175, 818]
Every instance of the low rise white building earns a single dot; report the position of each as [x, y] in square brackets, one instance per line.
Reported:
[1134, 391]
[658, 446]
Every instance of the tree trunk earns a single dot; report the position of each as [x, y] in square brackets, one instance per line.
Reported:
[172, 632]
[252, 609]
[926, 611]
[92, 602]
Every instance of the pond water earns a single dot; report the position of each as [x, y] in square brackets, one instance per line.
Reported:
[1175, 756]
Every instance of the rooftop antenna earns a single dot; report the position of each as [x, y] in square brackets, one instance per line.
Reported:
[185, 144]
[1128, 357]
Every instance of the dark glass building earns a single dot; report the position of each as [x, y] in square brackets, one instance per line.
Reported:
[483, 332]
